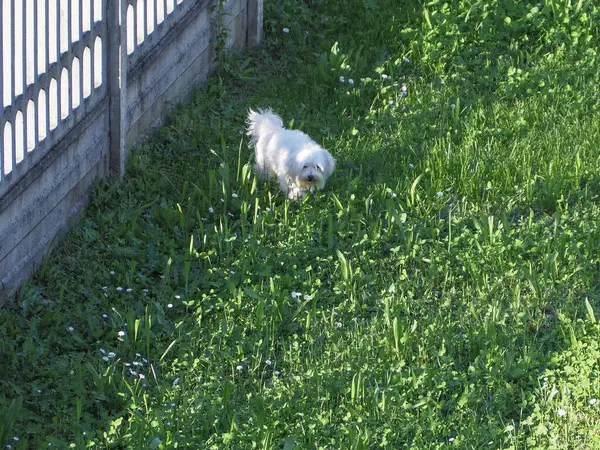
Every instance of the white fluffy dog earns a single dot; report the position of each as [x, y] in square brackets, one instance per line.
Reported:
[298, 162]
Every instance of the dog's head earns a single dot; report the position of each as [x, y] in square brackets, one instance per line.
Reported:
[313, 166]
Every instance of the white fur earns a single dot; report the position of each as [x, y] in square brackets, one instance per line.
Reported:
[298, 162]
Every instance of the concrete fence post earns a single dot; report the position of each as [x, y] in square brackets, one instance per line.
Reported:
[255, 22]
[116, 73]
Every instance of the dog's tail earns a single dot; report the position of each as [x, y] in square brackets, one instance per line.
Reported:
[261, 122]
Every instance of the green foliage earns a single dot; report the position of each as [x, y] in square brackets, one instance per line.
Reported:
[441, 291]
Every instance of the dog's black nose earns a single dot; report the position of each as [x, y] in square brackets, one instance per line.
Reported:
[310, 178]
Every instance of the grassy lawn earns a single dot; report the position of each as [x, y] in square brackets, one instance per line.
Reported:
[439, 293]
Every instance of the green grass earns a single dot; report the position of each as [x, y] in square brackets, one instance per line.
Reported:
[440, 292]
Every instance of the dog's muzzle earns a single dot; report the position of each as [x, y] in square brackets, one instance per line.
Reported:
[310, 177]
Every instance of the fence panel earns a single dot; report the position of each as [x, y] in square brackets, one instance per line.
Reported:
[72, 103]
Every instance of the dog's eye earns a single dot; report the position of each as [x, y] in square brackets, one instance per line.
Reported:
[318, 167]
[305, 167]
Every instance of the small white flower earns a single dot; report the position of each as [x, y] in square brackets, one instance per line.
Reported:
[121, 333]
[111, 354]
[105, 316]
[129, 290]
[384, 76]
[229, 214]
[268, 209]
[592, 401]
[170, 305]
[104, 288]
[211, 210]
[71, 329]
[411, 166]
[296, 295]
[451, 439]
[234, 195]
[351, 82]
[452, 106]
[561, 412]
[394, 195]
[406, 60]
[133, 373]
[105, 358]
[177, 297]
[545, 379]
[440, 194]
[16, 438]
[276, 373]
[222, 200]
[306, 33]
[239, 367]
[307, 297]
[175, 381]
[142, 376]
[231, 272]
[390, 102]
[342, 80]
[103, 351]
[112, 272]
[173, 405]
[268, 362]
[286, 30]
[119, 288]
[339, 325]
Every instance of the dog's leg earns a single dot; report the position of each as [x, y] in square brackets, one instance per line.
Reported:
[284, 184]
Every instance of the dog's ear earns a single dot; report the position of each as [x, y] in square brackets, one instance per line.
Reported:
[330, 166]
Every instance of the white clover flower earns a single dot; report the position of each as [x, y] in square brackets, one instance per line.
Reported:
[268, 362]
[133, 373]
[276, 373]
[177, 297]
[234, 195]
[351, 82]
[394, 195]
[103, 351]
[222, 200]
[592, 401]
[384, 76]
[411, 166]
[561, 412]
[175, 381]
[286, 30]
[105, 316]
[129, 290]
[71, 329]
[390, 102]
[452, 106]
[119, 288]
[170, 305]
[211, 210]
[111, 354]
[239, 367]
[440, 194]
[104, 288]
[451, 439]
[121, 333]
[173, 405]
[142, 376]
[105, 358]
[342, 80]
[296, 295]
[339, 325]
[406, 60]
[231, 272]
[112, 272]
